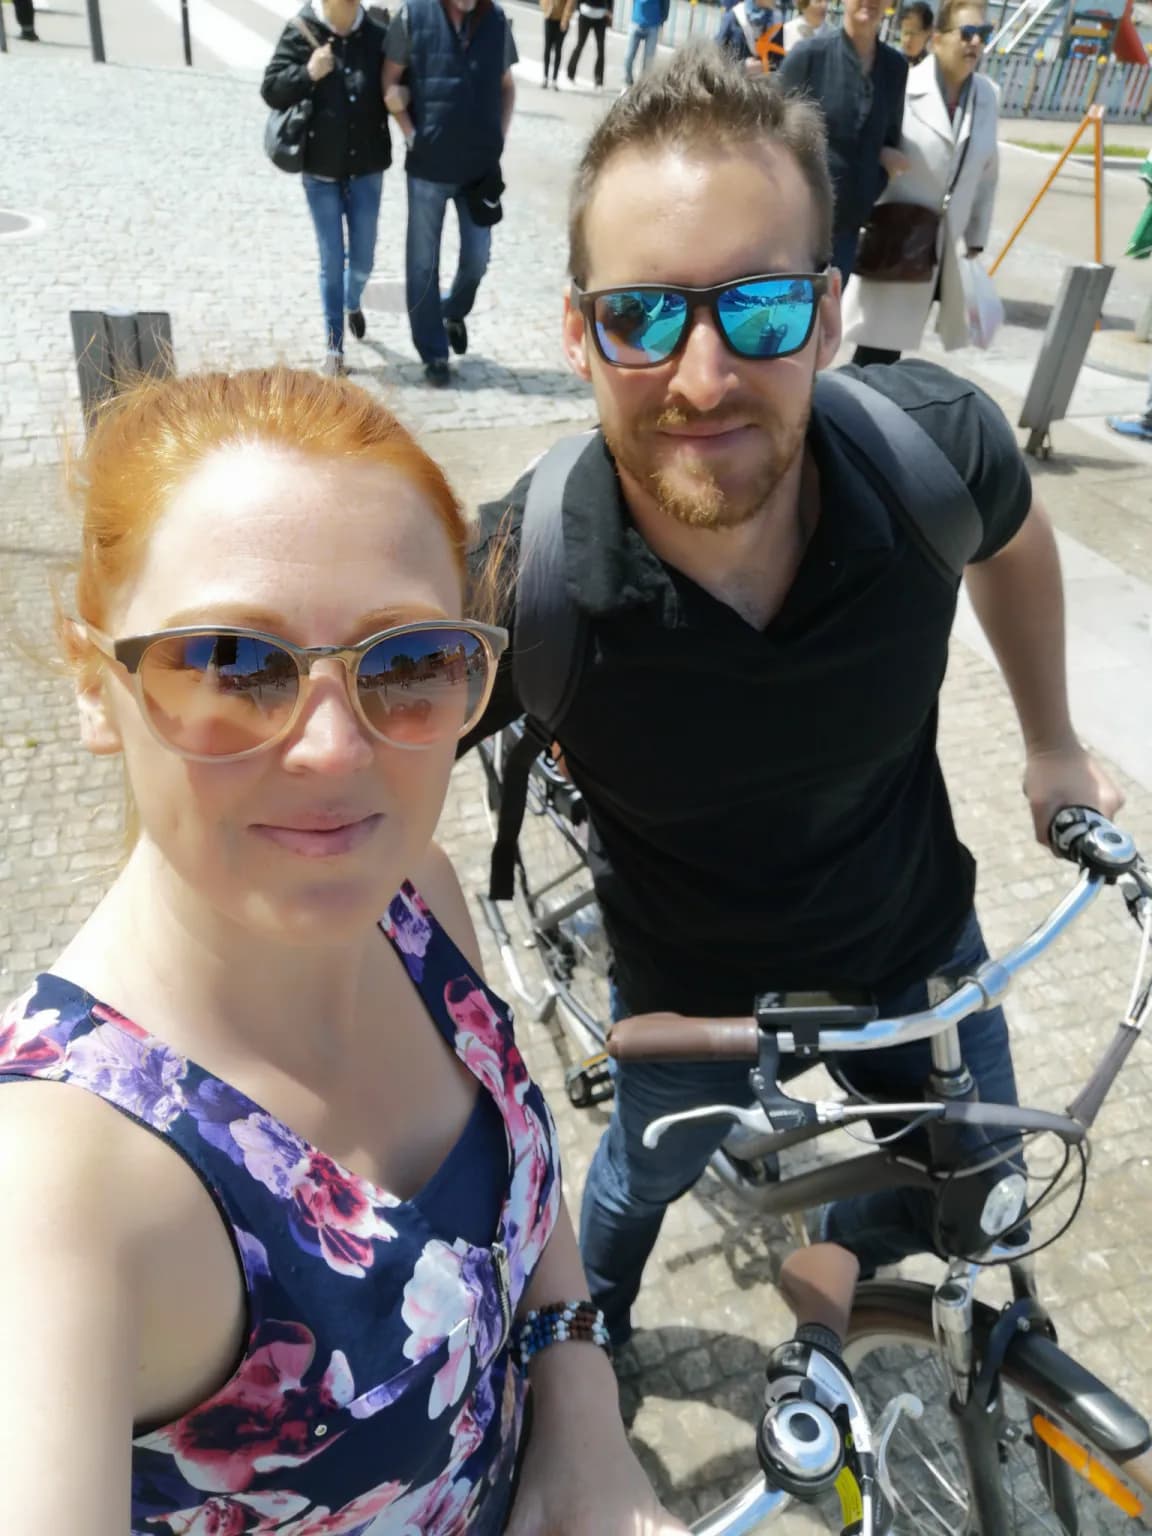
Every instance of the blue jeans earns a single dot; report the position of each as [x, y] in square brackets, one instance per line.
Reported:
[427, 311]
[844, 254]
[629, 1187]
[649, 36]
[355, 201]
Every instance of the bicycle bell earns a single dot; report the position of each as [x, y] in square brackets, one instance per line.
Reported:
[800, 1447]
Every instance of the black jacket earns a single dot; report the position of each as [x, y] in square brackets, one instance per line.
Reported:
[348, 135]
[828, 70]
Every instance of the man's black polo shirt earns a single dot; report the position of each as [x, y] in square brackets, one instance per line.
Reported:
[768, 805]
[863, 114]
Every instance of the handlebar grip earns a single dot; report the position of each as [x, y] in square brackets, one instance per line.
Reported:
[672, 1037]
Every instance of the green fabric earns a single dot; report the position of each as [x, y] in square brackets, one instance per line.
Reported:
[1141, 241]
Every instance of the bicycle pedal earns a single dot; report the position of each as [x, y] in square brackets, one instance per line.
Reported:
[590, 1082]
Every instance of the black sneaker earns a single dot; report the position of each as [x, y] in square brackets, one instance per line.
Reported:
[438, 373]
[457, 333]
[357, 324]
[29, 35]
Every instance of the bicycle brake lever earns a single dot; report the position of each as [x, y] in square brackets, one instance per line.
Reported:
[753, 1119]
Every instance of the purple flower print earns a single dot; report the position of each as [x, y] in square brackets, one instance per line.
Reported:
[216, 1108]
[452, 1301]
[272, 1154]
[409, 927]
[140, 1075]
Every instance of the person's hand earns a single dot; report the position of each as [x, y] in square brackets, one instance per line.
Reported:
[321, 63]
[602, 1491]
[1067, 775]
[894, 161]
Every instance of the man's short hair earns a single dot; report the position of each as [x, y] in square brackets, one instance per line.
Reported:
[923, 11]
[947, 17]
[701, 99]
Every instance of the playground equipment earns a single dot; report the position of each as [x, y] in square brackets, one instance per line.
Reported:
[1071, 29]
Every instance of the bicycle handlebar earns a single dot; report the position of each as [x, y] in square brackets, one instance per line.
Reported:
[1105, 854]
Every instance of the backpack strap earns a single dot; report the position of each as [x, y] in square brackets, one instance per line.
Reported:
[551, 639]
[915, 480]
[551, 631]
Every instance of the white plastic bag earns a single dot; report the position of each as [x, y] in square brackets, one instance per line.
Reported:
[982, 307]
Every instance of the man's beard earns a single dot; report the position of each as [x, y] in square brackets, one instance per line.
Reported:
[689, 491]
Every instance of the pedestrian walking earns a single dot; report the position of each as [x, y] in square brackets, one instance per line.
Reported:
[332, 55]
[557, 15]
[296, 1241]
[751, 714]
[592, 20]
[810, 20]
[1139, 426]
[951, 122]
[858, 83]
[448, 82]
[741, 30]
[648, 16]
[26, 20]
[915, 25]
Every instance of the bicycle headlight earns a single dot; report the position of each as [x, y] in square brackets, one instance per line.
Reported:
[1004, 1205]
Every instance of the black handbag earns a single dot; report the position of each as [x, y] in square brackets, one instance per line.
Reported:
[286, 130]
[898, 243]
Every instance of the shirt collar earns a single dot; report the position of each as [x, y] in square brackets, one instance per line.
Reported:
[611, 568]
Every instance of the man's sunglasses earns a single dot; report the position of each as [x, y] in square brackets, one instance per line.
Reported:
[213, 692]
[975, 32]
[645, 324]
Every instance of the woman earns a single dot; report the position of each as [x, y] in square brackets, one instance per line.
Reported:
[809, 21]
[557, 15]
[594, 16]
[949, 139]
[333, 54]
[278, 1253]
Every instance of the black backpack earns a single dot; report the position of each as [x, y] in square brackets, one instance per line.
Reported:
[917, 483]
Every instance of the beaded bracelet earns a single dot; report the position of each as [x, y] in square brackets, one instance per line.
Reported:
[581, 1321]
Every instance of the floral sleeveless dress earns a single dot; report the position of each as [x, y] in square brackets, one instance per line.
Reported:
[375, 1395]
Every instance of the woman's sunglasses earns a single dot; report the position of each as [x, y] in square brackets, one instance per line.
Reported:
[975, 32]
[213, 692]
[757, 317]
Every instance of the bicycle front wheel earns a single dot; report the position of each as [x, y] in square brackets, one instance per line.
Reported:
[1046, 1403]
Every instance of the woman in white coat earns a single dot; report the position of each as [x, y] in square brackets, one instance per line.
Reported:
[950, 124]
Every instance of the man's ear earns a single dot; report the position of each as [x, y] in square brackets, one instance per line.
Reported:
[829, 324]
[99, 733]
[576, 339]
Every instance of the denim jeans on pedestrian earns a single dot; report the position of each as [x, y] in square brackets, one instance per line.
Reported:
[345, 266]
[649, 36]
[629, 1187]
[427, 311]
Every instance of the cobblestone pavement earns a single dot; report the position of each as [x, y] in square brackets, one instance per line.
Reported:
[217, 238]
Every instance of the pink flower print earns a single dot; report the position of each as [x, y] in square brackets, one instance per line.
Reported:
[440, 1508]
[264, 1418]
[245, 1515]
[333, 1213]
[106, 1015]
[139, 1074]
[27, 1039]
[451, 1299]
[345, 1213]
[354, 1518]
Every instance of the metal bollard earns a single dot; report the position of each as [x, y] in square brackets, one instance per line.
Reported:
[96, 32]
[114, 348]
[3, 33]
[1070, 326]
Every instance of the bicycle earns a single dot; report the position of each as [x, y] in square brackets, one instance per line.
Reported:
[1007, 1433]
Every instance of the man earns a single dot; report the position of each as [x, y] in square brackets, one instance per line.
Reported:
[754, 727]
[916, 23]
[648, 16]
[454, 110]
[858, 83]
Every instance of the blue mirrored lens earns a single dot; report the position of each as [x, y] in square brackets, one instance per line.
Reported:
[768, 319]
[637, 327]
[423, 686]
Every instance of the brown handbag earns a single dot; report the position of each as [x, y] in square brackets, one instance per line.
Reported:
[898, 243]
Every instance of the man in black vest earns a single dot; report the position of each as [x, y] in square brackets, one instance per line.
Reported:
[448, 82]
[754, 725]
[858, 83]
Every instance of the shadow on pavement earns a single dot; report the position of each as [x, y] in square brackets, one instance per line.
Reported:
[1034, 316]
